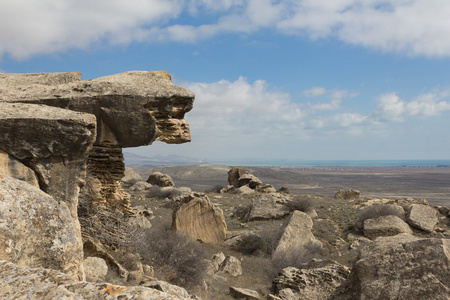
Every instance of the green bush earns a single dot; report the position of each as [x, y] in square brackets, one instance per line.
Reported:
[176, 257]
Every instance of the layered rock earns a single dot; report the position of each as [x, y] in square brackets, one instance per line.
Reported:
[240, 293]
[36, 230]
[400, 267]
[201, 220]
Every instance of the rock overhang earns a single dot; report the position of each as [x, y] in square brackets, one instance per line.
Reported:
[132, 109]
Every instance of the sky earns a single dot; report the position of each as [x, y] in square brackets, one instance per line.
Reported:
[274, 80]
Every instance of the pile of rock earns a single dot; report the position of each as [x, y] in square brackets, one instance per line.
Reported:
[242, 182]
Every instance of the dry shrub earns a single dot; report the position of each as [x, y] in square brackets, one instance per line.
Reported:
[262, 244]
[158, 192]
[298, 257]
[376, 211]
[176, 257]
[301, 203]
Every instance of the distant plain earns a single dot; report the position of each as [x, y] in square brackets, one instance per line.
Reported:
[431, 183]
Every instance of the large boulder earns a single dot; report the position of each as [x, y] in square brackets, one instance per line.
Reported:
[315, 280]
[160, 179]
[296, 239]
[423, 217]
[251, 180]
[401, 267]
[201, 220]
[385, 226]
[47, 284]
[36, 230]
[269, 206]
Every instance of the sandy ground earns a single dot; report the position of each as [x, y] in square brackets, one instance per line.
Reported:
[431, 183]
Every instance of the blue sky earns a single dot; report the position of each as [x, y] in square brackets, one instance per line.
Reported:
[294, 80]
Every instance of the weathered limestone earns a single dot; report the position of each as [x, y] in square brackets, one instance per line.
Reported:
[130, 176]
[423, 217]
[400, 267]
[296, 238]
[36, 230]
[47, 284]
[201, 220]
[385, 226]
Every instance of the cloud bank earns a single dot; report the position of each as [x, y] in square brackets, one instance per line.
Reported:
[412, 27]
[241, 108]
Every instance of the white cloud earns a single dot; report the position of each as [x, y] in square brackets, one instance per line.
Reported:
[416, 27]
[315, 91]
[392, 108]
[240, 107]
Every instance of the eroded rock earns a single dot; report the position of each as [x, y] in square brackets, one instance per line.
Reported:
[95, 269]
[159, 179]
[241, 293]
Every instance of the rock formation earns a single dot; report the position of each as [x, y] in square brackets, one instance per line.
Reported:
[65, 136]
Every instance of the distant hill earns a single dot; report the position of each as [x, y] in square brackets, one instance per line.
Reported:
[132, 159]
